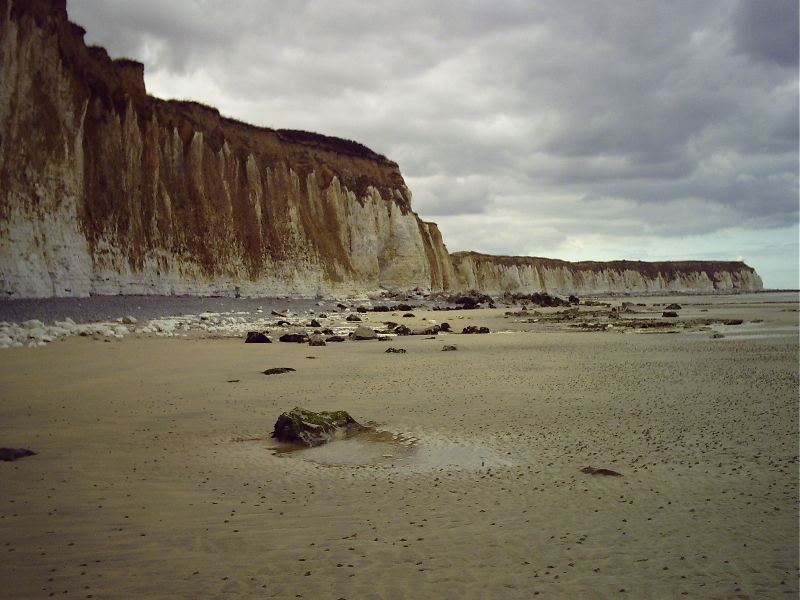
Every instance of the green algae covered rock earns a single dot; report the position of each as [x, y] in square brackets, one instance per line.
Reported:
[308, 428]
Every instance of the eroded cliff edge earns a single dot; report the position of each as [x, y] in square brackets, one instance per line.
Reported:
[108, 190]
[526, 274]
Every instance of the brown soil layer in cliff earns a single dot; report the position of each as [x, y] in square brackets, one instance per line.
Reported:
[155, 475]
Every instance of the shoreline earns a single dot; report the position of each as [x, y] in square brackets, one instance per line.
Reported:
[100, 308]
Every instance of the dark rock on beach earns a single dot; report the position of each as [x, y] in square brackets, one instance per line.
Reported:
[279, 371]
[297, 338]
[475, 329]
[308, 428]
[9, 454]
[395, 351]
[594, 471]
[257, 337]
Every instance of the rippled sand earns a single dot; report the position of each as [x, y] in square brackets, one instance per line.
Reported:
[156, 477]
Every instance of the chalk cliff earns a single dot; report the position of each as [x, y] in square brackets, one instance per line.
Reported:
[526, 274]
[106, 190]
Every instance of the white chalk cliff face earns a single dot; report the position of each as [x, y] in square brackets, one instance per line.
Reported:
[525, 274]
[106, 190]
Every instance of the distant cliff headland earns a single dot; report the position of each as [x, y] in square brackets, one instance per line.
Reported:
[106, 190]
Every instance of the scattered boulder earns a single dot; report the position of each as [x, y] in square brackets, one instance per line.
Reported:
[381, 308]
[573, 299]
[361, 309]
[275, 313]
[353, 318]
[448, 348]
[669, 314]
[717, 336]
[335, 338]
[283, 324]
[475, 329]
[390, 324]
[594, 471]
[445, 327]
[537, 298]
[732, 322]
[469, 300]
[308, 428]
[404, 307]
[433, 330]
[9, 454]
[395, 351]
[278, 371]
[673, 306]
[315, 323]
[341, 306]
[402, 330]
[316, 340]
[297, 337]
[408, 315]
[364, 333]
[257, 337]
[129, 320]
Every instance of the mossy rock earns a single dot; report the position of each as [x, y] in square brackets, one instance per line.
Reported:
[309, 428]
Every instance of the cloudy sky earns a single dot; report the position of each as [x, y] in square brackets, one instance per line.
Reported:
[573, 129]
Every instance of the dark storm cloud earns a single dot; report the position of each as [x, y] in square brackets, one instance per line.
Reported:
[512, 121]
[768, 30]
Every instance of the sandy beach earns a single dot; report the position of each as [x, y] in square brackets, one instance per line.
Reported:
[156, 477]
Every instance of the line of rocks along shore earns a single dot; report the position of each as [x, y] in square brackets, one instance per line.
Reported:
[336, 319]
[37, 322]
[285, 319]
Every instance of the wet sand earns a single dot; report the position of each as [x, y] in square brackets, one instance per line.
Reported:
[156, 478]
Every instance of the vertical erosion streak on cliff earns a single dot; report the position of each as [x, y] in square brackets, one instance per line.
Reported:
[42, 251]
[107, 190]
[526, 274]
